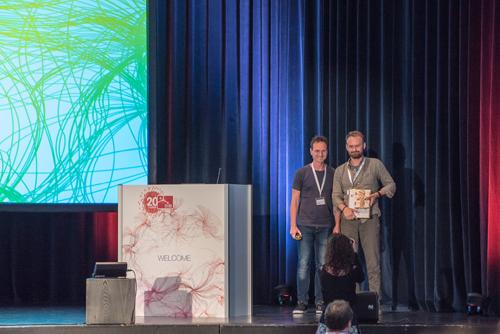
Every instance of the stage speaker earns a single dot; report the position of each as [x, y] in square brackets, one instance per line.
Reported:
[283, 294]
[367, 306]
[474, 303]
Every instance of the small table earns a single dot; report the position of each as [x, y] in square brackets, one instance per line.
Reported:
[110, 301]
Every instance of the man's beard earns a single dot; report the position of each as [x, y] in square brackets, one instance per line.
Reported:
[356, 155]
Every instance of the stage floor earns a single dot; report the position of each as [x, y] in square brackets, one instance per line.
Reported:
[265, 319]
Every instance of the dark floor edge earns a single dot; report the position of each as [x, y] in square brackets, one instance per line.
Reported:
[246, 329]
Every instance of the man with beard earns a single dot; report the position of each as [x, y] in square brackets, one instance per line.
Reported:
[311, 220]
[362, 173]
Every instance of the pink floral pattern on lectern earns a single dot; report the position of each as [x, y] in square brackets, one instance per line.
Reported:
[186, 286]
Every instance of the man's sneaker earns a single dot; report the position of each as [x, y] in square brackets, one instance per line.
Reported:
[319, 308]
[300, 308]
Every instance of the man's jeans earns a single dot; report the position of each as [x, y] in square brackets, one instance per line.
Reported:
[367, 235]
[313, 243]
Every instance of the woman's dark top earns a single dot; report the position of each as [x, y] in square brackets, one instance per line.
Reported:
[341, 287]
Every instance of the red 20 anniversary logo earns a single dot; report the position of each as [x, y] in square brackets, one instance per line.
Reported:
[153, 202]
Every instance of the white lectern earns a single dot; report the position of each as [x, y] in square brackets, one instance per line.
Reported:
[189, 247]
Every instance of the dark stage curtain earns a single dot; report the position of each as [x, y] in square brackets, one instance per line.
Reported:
[488, 66]
[244, 85]
[46, 257]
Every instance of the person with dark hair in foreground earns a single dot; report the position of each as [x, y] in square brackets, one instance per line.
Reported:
[339, 275]
[338, 317]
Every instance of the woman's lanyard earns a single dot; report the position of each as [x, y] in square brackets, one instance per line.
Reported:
[357, 173]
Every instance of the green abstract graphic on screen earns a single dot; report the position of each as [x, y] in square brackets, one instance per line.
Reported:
[73, 99]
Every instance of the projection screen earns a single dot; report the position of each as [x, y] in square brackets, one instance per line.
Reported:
[73, 100]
